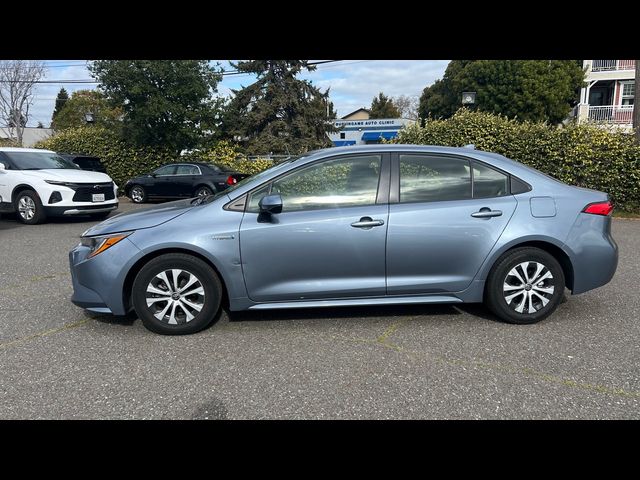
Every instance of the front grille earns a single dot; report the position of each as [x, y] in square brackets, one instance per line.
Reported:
[85, 191]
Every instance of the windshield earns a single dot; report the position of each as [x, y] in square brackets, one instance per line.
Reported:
[39, 161]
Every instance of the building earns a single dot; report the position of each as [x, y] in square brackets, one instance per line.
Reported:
[30, 135]
[357, 128]
[608, 97]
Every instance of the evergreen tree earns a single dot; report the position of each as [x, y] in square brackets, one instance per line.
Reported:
[61, 99]
[279, 113]
[165, 103]
[535, 90]
[383, 107]
[83, 102]
[40, 125]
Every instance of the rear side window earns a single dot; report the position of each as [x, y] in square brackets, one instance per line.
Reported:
[488, 183]
[428, 178]
[187, 170]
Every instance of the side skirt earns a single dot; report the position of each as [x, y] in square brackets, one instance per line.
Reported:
[404, 300]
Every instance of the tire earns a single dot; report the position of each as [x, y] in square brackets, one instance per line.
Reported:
[32, 211]
[164, 316]
[138, 194]
[100, 216]
[503, 297]
[203, 191]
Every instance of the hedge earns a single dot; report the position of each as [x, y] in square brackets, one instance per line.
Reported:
[124, 161]
[583, 155]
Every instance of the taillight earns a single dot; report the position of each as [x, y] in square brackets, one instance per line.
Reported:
[599, 208]
[231, 180]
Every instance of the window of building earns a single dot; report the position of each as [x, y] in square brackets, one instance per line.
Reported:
[433, 179]
[342, 135]
[628, 92]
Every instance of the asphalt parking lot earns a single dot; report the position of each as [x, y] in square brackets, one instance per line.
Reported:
[418, 362]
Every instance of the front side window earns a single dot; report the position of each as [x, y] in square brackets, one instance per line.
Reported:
[39, 161]
[166, 170]
[343, 182]
[426, 178]
[488, 183]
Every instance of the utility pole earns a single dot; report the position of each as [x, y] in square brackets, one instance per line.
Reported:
[636, 105]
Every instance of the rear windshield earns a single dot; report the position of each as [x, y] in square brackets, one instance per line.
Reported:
[39, 161]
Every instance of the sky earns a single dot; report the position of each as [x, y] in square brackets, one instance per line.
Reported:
[352, 83]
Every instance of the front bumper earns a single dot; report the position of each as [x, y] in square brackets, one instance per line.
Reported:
[80, 209]
[98, 281]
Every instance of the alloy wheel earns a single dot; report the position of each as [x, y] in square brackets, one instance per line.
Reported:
[528, 287]
[137, 194]
[26, 207]
[175, 296]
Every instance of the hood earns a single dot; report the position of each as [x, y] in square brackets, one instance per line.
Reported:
[68, 175]
[138, 219]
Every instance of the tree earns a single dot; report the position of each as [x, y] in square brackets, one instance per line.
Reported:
[17, 80]
[278, 113]
[83, 102]
[40, 125]
[61, 99]
[636, 104]
[407, 105]
[535, 90]
[165, 103]
[383, 107]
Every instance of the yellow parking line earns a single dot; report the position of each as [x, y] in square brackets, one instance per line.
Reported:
[46, 333]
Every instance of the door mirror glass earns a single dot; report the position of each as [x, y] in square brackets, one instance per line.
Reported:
[270, 204]
[2, 167]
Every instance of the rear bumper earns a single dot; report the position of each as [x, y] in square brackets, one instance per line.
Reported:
[70, 210]
[593, 252]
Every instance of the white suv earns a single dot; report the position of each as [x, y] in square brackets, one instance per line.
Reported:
[39, 183]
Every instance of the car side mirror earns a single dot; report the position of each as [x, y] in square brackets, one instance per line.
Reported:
[270, 204]
[154, 175]
[2, 167]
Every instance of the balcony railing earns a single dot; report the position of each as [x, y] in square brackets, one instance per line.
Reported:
[610, 65]
[611, 114]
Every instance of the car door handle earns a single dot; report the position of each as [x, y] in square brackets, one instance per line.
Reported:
[486, 213]
[367, 222]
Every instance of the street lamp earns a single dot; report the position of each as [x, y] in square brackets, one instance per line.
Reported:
[89, 117]
[468, 98]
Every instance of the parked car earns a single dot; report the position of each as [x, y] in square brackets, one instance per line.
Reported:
[358, 225]
[85, 162]
[181, 180]
[40, 183]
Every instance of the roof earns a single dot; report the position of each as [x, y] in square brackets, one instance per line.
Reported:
[356, 111]
[19, 149]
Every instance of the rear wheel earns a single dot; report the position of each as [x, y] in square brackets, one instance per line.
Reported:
[176, 294]
[203, 191]
[138, 194]
[525, 286]
[29, 208]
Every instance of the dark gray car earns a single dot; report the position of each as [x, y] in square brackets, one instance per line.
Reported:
[370, 225]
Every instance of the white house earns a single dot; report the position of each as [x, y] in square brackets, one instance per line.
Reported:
[357, 128]
[30, 135]
[608, 96]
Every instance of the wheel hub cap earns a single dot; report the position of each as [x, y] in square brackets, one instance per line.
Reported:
[528, 287]
[175, 296]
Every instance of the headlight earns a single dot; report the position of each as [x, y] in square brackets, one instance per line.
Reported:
[102, 242]
[57, 182]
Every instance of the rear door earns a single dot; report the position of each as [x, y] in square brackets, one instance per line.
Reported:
[446, 214]
[186, 177]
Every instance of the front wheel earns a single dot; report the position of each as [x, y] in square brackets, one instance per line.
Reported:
[29, 208]
[525, 286]
[176, 294]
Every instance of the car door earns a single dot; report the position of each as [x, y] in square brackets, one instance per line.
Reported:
[446, 214]
[162, 184]
[185, 180]
[329, 239]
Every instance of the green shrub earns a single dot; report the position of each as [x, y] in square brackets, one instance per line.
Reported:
[123, 161]
[582, 155]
